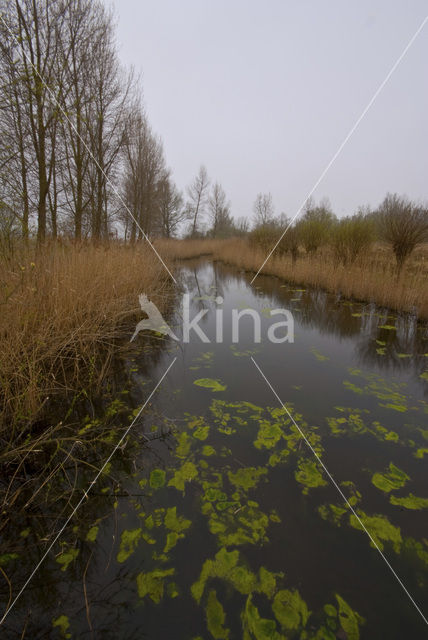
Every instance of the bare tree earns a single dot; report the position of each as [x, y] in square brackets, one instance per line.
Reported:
[263, 209]
[403, 225]
[315, 226]
[170, 204]
[219, 212]
[197, 198]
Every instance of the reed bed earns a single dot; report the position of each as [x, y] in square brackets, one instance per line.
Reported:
[63, 308]
[372, 277]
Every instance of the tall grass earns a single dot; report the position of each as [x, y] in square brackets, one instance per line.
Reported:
[62, 308]
[372, 277]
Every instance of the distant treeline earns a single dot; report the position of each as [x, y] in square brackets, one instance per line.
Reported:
[78, 157]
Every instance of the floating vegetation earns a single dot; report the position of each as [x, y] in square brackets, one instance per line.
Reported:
[66, 558]
[395, 478]
[319, 356]
[242, 354]
[379, 528]
[209, 383]
[309, 475]
[152, 584]
[387, 391]
[349, 619]
[63, 624]
[128, 543]
[290, 610]
[157, 478]
[410, 502]
[216, 617]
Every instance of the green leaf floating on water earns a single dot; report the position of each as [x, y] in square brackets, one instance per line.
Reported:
[319, 356]
[174, 522]
[424, 375]
[7, 557]
[152, 584]
[186, 473]
[66, 557]
[225, 566]
[216, 617]
[63, 623]
[247, 477]
[379, 528]
[91, 536]
[410, 502]
[157, 478]
[254, 626]
[290, 610]
[309, 475]
[128, 543]
[349, 619]
[394, 479]
[210, 383]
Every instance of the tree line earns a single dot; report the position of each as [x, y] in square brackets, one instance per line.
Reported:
[397, 221]
[78, 156]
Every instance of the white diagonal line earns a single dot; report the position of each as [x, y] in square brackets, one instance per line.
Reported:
[333, 481]
[107, 179]
[348, 136]
[85, 495]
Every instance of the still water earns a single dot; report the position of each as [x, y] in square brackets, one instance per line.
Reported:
[216, 520]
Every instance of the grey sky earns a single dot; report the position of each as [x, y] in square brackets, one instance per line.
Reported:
[263, 93]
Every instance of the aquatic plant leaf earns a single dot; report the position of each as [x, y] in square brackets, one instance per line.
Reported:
[380, 528]
[7, 557]
[210, 383]
[63, 624]
[410, 502]
[290, 610]
[216, 617]
[208, 450]
[201, 433]
[152, 583]
[174, 522]
[394, 479]
[91, 536]
[157, 478]
[67, 557]
[128, 543]
[267, 582]
[254, 626]
[186, 473]
[349, 619]
[309, 475]
[246, 477]
[268, 435]
[319, 356]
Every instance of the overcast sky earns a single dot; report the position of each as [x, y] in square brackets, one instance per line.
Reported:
[264, 92]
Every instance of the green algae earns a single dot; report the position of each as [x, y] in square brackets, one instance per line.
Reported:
[254, 626]
[128, 543]
[184, 445]
[394, 479]
[216, 617]
[224, 566]
[5, 558]
[290, 609]
[67, 557]
[349, 619]
[63, 624]
[319, 356]
[201, 433]
[152, 584]
[246, 478]
[186, 473]
[309, 475]
[380, 529]
[210, 383]
[208, 450]
[269, 435]
[157, 478]
[91, 536]
[410, 502]
[174, 522]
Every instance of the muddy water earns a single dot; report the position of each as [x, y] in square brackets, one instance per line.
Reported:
[216, 520]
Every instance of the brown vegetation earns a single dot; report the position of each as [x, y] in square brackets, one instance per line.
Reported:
[63, 307]
[371, 276]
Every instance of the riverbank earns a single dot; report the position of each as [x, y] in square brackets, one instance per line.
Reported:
[371, 278]
[64, 309]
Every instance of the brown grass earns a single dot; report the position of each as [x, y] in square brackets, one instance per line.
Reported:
[371, 278]
[62, 308]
